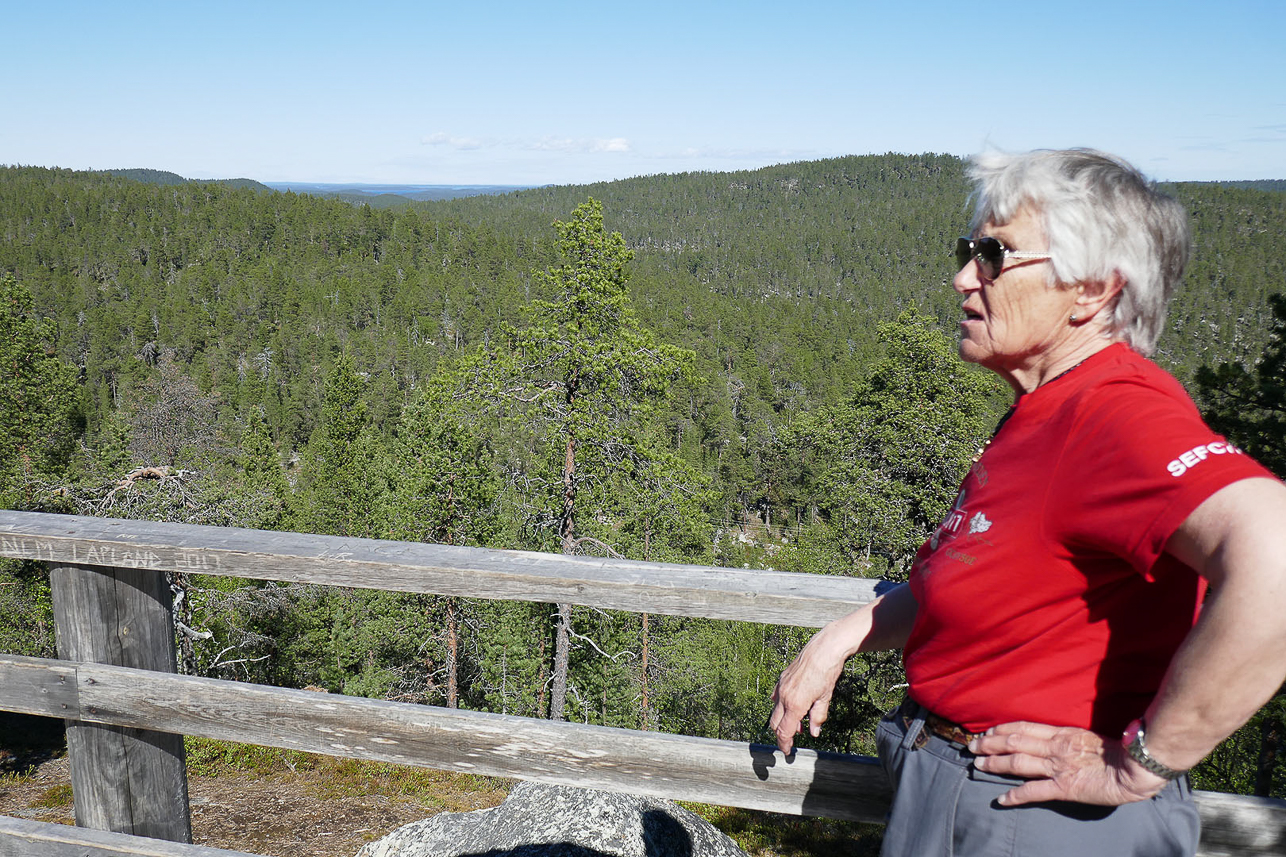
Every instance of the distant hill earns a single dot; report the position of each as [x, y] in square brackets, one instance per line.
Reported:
[390, 196]
[375, 195]
[166, 178]
[1275, 185]
[1270, 185]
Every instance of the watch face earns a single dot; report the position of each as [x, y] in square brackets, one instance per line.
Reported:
[1132, 732]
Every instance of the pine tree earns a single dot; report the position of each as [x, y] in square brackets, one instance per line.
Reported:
[892, 455]
[344, 485]
[37, 397]
[1249, 407]
[578, 387]
[264, 477]
[445, 492]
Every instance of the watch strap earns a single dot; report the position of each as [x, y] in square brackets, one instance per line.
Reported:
[1138, 751]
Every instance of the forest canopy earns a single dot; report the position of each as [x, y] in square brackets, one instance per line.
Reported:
[723, 368]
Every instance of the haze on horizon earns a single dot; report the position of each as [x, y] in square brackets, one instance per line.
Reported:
[506, 93]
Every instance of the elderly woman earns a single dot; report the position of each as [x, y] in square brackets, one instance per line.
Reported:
[1065, 663]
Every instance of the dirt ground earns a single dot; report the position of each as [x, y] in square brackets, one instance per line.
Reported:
[291, 814]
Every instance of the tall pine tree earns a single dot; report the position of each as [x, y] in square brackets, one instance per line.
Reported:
[578, 387]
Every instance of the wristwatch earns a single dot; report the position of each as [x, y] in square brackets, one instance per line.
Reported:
[1133, 740]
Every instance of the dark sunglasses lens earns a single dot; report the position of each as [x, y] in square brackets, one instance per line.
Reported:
[990, 253]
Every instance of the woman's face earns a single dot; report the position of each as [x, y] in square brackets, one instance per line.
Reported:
[1017, 320]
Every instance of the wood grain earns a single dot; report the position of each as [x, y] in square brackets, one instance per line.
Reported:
[124, 779]
[648, 763]
[657, 764]
[780, 598]
[21, 837]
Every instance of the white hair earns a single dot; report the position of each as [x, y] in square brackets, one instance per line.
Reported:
[1101, 216]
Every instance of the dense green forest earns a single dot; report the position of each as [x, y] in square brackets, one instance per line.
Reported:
[753, 369]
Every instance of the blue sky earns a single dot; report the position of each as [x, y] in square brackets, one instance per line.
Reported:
[569, 92]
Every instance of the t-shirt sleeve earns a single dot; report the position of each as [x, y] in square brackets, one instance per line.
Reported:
[1138, 462]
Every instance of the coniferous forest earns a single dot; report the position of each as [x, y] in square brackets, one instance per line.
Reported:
[751, 369]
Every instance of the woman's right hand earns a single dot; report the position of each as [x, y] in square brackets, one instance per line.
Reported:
[805, 687]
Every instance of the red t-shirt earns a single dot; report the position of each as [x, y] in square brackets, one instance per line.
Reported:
[1046, 594]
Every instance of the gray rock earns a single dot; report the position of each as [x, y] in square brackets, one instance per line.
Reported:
[540, 820]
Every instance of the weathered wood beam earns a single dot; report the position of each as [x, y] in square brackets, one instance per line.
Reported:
[780, 598]
[1240, 825]
[22, 837]
[124, 779]
[672, 766]
[648, 763]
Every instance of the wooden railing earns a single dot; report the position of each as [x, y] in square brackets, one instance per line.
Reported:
[127, 710]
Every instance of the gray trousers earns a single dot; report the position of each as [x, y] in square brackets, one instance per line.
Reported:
[943, 806]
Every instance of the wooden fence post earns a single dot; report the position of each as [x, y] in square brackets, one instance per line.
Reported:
[124, 780]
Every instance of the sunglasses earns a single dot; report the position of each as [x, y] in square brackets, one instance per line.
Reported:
[991, 255]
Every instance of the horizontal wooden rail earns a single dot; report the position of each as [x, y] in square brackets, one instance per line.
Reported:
[777, 598]
[647, 763]
[657, 764]
[21, 837]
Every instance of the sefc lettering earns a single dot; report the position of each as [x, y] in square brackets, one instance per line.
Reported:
[1198, 454]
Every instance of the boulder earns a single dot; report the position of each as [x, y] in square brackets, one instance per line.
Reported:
[538, 820]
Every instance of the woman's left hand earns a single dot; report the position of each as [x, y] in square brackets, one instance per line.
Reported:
[1063, 763]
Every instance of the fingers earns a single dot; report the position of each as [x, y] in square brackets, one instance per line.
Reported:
[802, 691]
[817, 715]
[1016, 765]
[782, 724]
[1074, 747]
[1036, 791]
[1004, 743]
[786, 721]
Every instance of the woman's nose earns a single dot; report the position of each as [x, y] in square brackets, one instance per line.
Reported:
[966, 279]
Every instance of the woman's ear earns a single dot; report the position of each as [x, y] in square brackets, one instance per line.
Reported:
[1094, 295]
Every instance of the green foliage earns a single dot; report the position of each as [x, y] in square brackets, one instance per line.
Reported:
[512, 658]
[446, 485]
[1249, 406]
[173, 421]
[263, 474]
[714, 678]
[441, 790]
[345, 482]
[892, 455]
[28, 624]
[55, 797]
[382, 645]
[770, 834]
[36, 398]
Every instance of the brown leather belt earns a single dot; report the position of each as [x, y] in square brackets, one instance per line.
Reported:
[935, 724]
[949, 731]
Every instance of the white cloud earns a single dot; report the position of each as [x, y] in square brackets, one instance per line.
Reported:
[441, 138]
[573, 144]
[543, 144]
[549, 144]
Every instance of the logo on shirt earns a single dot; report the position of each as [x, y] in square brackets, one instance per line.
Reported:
[979, 524]
[1198, 454]
[952, 524]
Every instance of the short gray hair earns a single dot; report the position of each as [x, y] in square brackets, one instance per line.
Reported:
[1101, 216]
